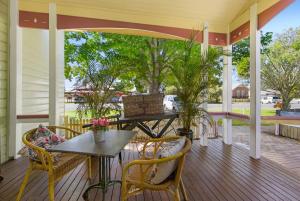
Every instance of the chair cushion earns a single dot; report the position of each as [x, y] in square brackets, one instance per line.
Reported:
[163, 170]
[43, 138]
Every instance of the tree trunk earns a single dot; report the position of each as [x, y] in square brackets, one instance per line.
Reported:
[155, 83]
[286, 104]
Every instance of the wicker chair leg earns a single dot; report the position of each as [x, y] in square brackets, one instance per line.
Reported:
[124, 191]
[89, 166]
[183, 191]
[51, 187]
[177, 195]
[24, 183]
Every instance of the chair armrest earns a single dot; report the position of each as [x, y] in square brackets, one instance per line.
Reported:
[157, 144]
[149, 163]
[43, 155]
[71, 133]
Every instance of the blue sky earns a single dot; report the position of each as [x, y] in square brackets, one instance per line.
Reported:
[290, 17]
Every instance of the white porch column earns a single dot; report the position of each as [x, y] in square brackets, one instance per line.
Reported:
[15, 78]
[227, 91]
[255, 126]
[204, 49]
[53, 65]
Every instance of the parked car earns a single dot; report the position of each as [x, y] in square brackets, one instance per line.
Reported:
[295, 101]
[171, 102]
[270, 99]
[79, 99]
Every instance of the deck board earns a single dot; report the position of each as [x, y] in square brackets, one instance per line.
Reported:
[217, 172]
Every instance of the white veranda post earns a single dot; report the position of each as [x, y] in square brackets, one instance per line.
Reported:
[227, 91]
[52, 62]
[15, 78]
[255, 120]
[56, 67]
[204, 49]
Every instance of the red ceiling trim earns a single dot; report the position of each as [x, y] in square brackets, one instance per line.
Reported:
[73, 22]
[267, 15]
[34, 20]
[41, 21]
[219, 39]
[241, 32]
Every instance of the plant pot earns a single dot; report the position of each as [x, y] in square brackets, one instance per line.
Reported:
[183, 132]
[99, 136]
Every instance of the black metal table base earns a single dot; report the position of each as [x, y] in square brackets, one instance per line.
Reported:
[104, 178]
[1, 178]
[147, 129]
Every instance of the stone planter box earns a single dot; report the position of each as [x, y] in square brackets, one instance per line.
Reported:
[290, 131]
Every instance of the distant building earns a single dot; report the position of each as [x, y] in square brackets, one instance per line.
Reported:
[240, 92]
[269, 93]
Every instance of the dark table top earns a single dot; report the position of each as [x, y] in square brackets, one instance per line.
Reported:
[115, 141]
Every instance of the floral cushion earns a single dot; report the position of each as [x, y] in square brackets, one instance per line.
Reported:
[162, 171]
[43, 138]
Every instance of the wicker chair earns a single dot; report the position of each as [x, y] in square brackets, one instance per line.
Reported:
[134, 181]
[56, 170]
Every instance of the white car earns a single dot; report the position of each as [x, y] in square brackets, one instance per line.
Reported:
[171, 102]
[270, 99]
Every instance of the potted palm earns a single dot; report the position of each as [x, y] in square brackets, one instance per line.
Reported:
[192, 74]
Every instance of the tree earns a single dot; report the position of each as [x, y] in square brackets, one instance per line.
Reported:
[191, 70]
[241, 54]
[145, 61]
[100, 83]
[281, 66]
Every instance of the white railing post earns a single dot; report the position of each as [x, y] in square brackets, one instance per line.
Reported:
[227, 91]
[255, 119]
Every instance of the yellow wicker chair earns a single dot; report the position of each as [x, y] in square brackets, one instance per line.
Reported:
[134, 181]
[56, 170]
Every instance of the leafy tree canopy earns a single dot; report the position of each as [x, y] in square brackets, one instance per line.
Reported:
[144, 62]
[281, 66]
[241, 54]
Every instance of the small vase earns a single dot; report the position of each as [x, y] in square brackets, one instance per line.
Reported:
[99, 136]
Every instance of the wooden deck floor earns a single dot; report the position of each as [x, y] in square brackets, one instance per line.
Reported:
[217, 172]
[282, 150]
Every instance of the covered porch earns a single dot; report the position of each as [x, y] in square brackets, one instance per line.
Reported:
[215, 169]
[37, 28]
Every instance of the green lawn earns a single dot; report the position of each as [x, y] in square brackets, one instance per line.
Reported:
[264, 112]
[73, 113]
